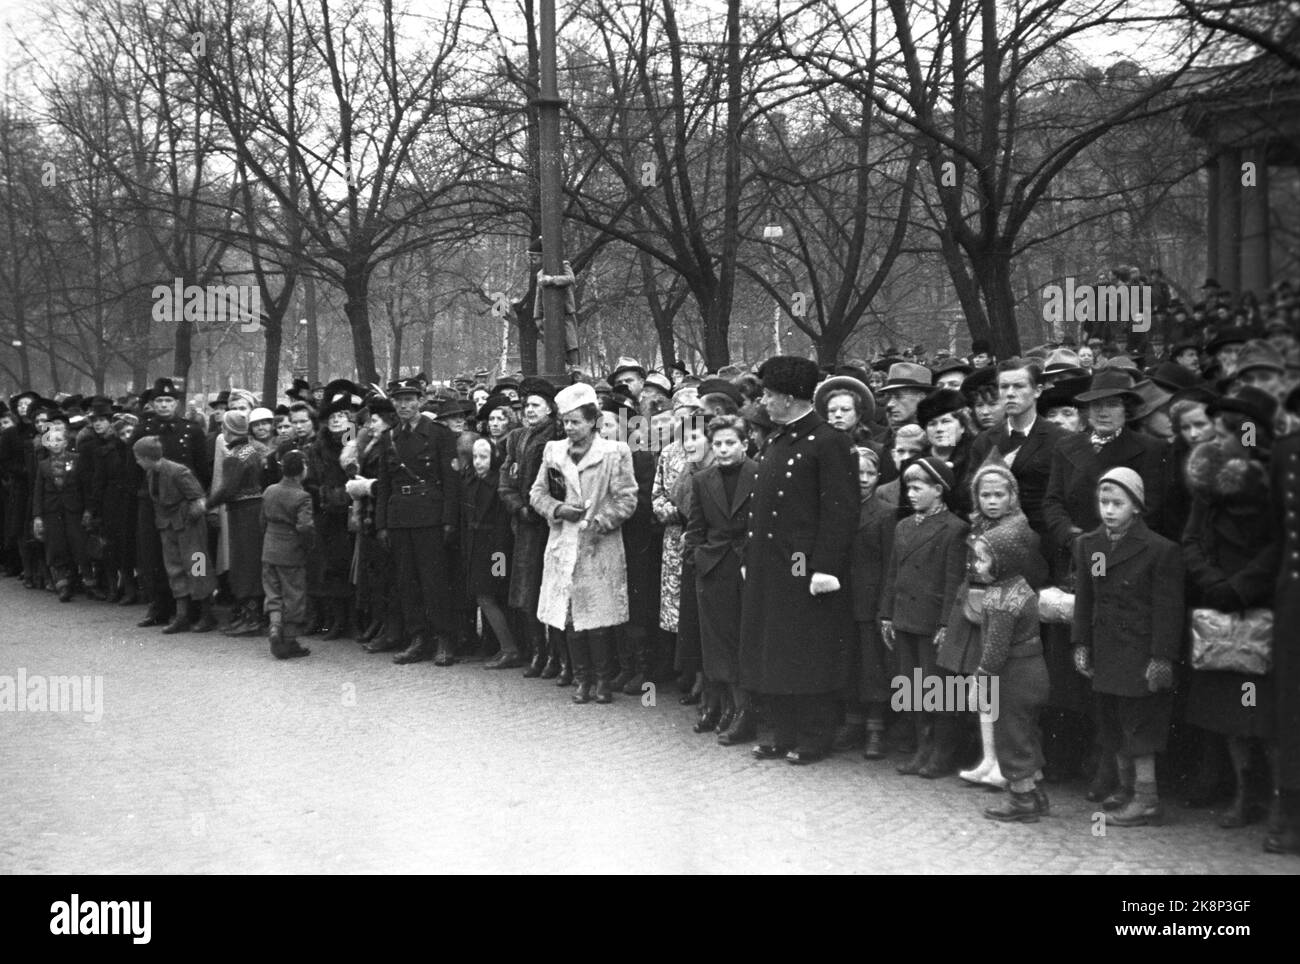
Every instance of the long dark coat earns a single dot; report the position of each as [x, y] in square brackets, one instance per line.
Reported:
[1286, 645]
[1229, 539]
[867, 679]
[523, 459]
[117, 478]
[643, 545]
[1071, 500]
[1132, 610]
[925, 570]
[327, 483]
[486, 543]
[802, 517]
[714, 537]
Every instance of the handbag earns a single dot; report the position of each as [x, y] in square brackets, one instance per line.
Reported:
[1240, 642]
[555, 484]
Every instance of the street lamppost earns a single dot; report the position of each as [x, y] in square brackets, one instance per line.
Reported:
[773, 233]
[551, 184]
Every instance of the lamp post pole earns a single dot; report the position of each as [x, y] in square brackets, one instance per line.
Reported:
[548, 104]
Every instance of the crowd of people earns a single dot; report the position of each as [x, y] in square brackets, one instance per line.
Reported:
[1084, 552]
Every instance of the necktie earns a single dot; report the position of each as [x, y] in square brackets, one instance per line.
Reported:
[1014, 440]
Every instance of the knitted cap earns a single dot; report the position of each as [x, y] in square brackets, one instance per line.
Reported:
[235, 422]
[1129, 481]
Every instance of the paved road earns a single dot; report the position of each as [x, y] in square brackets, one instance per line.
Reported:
[212, 757]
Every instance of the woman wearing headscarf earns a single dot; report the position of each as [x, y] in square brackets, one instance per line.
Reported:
[237, 489]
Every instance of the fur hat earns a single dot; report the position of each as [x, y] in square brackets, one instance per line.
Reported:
[791, 375]
[941, 401]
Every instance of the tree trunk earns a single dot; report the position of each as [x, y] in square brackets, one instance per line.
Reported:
[994, 273]
[274, 344]
[356, 288]
[426, 350]
[313, 330]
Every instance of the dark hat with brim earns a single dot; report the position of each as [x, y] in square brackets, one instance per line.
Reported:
[405, 386]
[1173, 377]
[791, 375]
[300, 390]
[455, 407]
[942, 401]
[951, 365]
[1153, 398]
[1110, 383]
[979, 380]
[907, 375]
[1252, 402]
[720, 386]
[493, 402]
[223, 398]
[1056, 396]
[1228, 336]
[846, 383]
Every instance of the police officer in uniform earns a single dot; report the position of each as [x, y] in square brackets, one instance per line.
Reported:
[417, 514]
[182, 442]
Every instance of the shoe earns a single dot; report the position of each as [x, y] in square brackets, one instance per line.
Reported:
[504, 660]
[978, 772]
[1136, 813]
[445, 656]
[237, 624]
[566, 674]
[583, 693]
[1040, 800]
[153, 618]
[802, 757]
[276, 639]
[1018, 808]
[995, 779]
[130, 596]
[292, 650]
[1104, 781]
[383, 643]
[65, 592]
[875, 749]
[207, 621]
[537, 665]
[97, 594]
[708, 721]
[371, 631]
[725, 720]
[849, 736]
[1240, 813]
[918, 760]
[417, 652]
[1285, 840]
[770, 751]
[1118, 800]
[635, 685]
[604, 691]
[743, 730]
[692, 699]
[180, 623]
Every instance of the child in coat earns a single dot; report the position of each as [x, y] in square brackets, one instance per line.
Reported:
[58, 509]
[925, 569]
[486, 548]
[288, 540]
[1128, 627]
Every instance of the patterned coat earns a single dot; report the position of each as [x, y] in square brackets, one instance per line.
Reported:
[672, 462]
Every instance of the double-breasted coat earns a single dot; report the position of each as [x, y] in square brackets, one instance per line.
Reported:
[925, 569]
[802, 517]
[715, 537]
[1128, 605]
[585, 568]
[1285, 485]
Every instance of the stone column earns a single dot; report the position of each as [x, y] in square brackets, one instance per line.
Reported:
[1212, 217]
[1255, 274]
[1228, 240]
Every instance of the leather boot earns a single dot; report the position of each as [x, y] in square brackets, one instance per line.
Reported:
[256, 622]
[383, 643]
[566, 662]
[342, 622]
[130, 591]
[372, 630]
[626, 659]
[924, 746]
[419, 651]
[1142, 810]
[276, 635]
[181, 621]
[153, 617]
[875, 748]
[1124, 793]
[536, 639]
[744, 728]
[238, 621]
[1105, 778]
[1283, 835]
[552, 668]
[643, 653]
[942, 761]
[207, 620]
[446, 655]
[602, 663]
[580, 666]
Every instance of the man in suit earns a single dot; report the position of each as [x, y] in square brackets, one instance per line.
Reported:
[180, 515]
[796, 620]
[417, 514]
[1023, 441]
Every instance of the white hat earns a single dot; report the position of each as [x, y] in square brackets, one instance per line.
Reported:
[575, 396]
[260, 415]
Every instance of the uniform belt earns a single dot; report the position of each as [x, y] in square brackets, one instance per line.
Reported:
[415, 488]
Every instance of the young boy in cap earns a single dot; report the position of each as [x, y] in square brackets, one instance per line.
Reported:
[925, 569]
[1128, 628]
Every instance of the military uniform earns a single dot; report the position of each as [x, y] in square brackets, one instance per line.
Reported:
[417, 501]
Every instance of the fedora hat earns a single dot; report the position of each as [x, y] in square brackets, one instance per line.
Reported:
[626, 364]
[1110, 382]
[1153, 398]
[908, 375]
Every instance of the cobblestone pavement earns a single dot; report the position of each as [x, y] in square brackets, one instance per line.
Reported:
[212, 757]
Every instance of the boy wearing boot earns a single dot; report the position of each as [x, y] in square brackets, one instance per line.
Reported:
[180, 515]
[58, 509]
[288, 540]
[925, 569]
[1128, 626]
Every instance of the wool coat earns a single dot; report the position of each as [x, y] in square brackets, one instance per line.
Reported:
[1128, 605]
[585, 569]
[715, 538]
[803, 514]
[925, 569]
[524, 447]
[486, 543]
[1285, 486]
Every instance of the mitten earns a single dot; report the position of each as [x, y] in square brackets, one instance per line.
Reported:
[1083, 660]
[359, 488]
[1159, 674]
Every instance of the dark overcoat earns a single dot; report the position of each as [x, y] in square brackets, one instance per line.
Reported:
[1229, 539]
[1128, 605]
[183, 442]
[715, 537]
[419, 484]
[1285, 487]
[925, 569]
[486, 543]
[643, 546]
[802, 517]
[524, 447]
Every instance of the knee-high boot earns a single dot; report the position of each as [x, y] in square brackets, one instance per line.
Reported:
[943, 757]
[535, 636]
[602, 660]
[626, 657]
[580, 664]
[560, 640]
